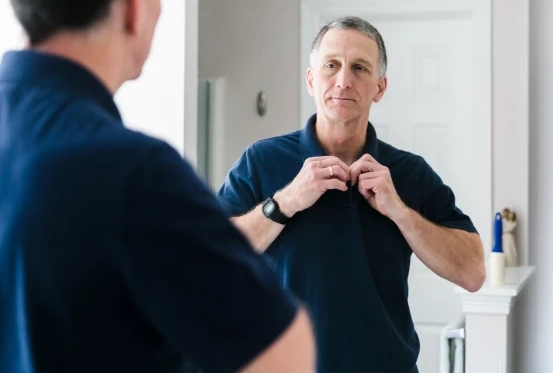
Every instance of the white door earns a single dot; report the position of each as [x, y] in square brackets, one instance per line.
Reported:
[438, 105]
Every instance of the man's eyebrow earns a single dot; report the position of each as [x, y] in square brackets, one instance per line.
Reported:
[358, 60]
[364, 62]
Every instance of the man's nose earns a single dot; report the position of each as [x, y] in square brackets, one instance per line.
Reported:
[343, 79]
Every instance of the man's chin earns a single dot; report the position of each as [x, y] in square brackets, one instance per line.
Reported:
[342, 114]
[135, 74]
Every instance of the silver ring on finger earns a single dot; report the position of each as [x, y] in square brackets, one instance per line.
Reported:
[330, 171]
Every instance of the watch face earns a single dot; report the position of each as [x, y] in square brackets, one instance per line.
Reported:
[269, 208]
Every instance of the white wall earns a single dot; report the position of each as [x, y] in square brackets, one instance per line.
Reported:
[510, 114]
[254, 45]
[11, 34]
[155, 102]
[536, 307]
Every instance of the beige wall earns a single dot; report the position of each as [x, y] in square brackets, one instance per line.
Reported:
[511, 153]
[510, 114]
[254, 45]
[536, 306]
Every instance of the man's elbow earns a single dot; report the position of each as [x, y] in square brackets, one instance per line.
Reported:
[476, 275]
[475, 280]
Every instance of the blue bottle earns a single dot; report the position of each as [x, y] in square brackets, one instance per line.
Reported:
[497, 257]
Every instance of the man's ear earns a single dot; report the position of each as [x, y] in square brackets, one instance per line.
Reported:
[382, 85]
[309, 81]
[133, 15]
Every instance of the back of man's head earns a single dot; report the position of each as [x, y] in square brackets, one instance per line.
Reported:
[112, 38]
[43, 18]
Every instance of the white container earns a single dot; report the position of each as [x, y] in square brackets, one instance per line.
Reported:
[497, 268]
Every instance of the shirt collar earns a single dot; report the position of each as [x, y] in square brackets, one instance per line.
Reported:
[35, 69]
[310, 146]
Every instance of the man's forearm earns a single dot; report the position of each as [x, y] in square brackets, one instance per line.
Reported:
[293, 352]
[453, 254]
[259, 230]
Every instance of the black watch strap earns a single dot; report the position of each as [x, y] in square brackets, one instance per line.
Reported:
[271, 210]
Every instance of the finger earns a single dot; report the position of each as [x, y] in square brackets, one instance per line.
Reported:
[367, 165]
[319, 159]
[360, 167]
[367, 193]
[369, 184]
[373, 175]
[335, 161]
[355, 170]
[369, 157]
[335, 184]
[365, 188]
[332, 172]
[363, 166]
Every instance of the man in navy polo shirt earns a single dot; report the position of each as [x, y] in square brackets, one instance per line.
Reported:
[114, 257]
[340, 212]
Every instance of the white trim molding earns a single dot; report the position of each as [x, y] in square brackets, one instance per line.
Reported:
[498, 299]
[490, 323]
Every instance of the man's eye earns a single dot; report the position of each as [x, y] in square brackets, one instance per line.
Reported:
[360, 68]
[330, 65]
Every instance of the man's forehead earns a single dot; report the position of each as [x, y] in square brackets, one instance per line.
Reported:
[337, 41]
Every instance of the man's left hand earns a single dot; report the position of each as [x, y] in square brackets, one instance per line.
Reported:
[375, 184]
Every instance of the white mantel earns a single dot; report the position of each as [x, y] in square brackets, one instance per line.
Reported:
[489, 323]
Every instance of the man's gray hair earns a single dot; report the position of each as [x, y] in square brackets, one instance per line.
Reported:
[353, 23]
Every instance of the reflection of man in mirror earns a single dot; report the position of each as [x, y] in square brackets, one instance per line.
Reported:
[339, 212]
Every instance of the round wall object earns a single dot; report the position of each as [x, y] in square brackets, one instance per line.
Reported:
[262, 103]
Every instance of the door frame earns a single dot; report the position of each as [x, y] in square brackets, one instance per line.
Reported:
[190, 137]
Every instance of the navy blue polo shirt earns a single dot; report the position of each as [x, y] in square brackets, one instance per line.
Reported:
[348, 262]
[114, 256]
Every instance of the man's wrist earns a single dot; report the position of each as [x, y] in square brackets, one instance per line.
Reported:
[401, 214]
[285, 204]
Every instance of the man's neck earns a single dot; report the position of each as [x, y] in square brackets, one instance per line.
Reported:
[94, 55]
[343, 140]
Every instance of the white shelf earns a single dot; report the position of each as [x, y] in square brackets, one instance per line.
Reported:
[496, 299]
[515, 279]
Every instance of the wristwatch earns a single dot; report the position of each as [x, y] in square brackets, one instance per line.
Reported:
[272, 211]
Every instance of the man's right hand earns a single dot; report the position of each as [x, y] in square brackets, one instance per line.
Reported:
[317, 175]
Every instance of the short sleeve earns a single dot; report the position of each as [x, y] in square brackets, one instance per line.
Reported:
[241, 190]
[192, 274]
[438, 201]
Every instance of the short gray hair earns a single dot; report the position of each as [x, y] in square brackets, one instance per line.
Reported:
[358, 24]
